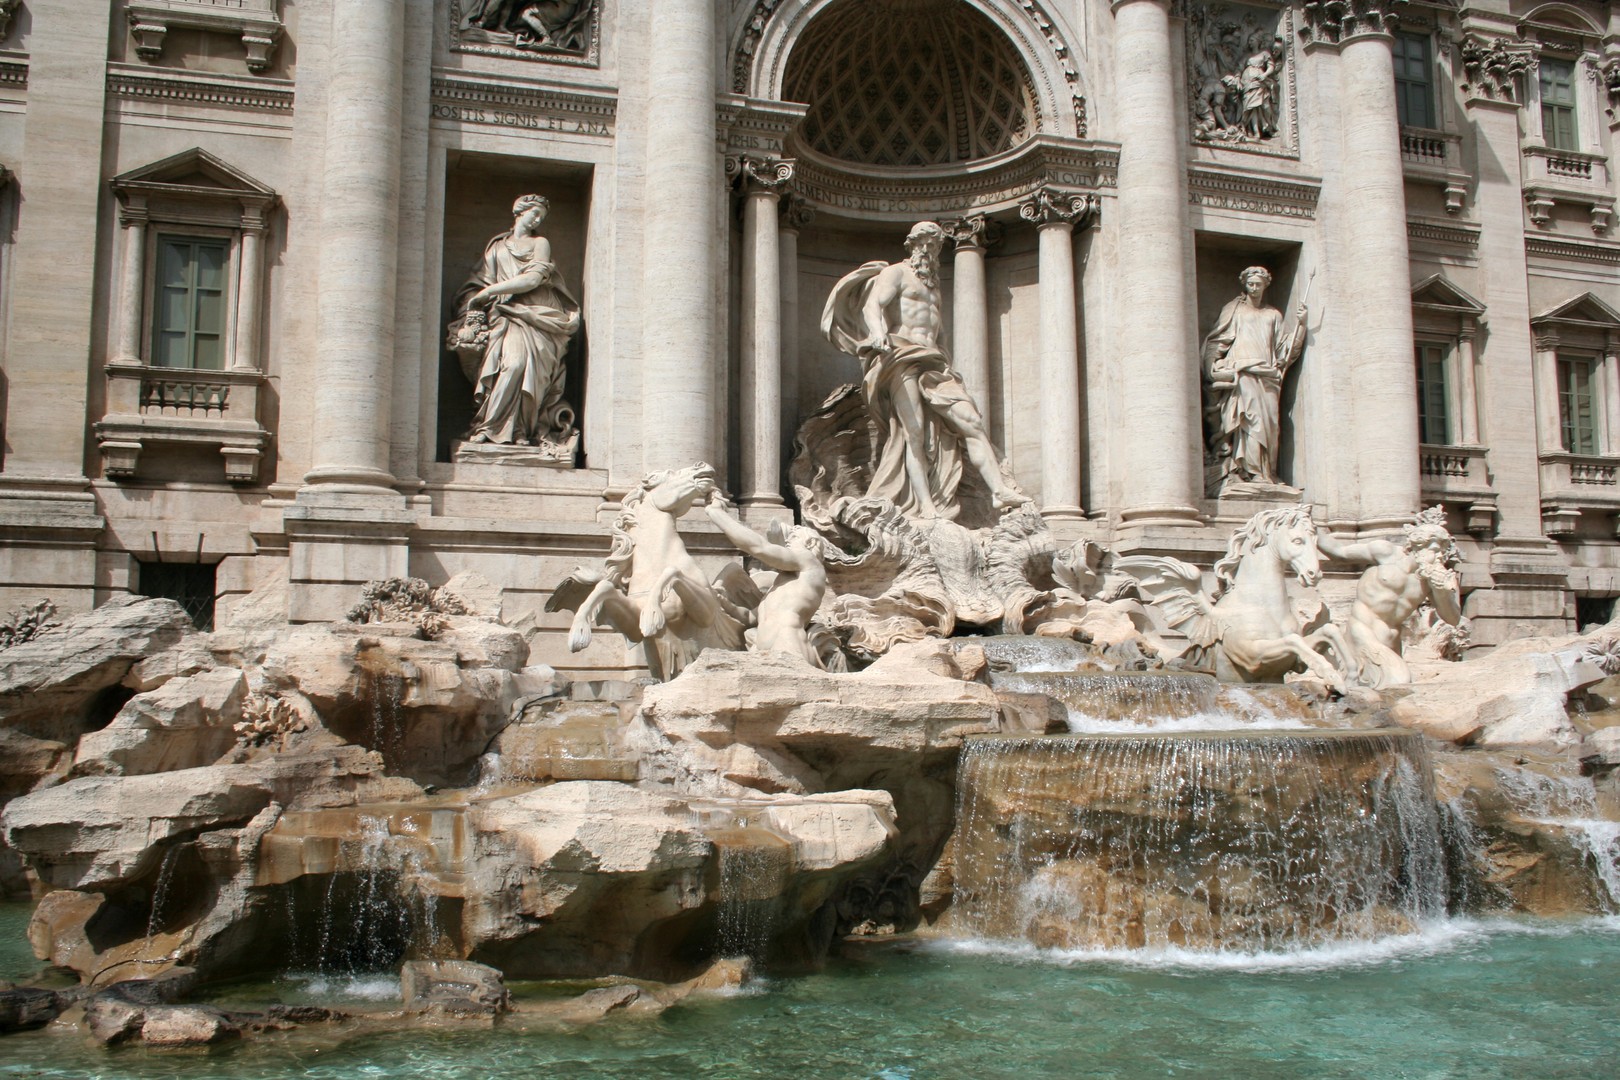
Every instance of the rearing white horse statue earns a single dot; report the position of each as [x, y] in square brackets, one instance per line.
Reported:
[1248, 622]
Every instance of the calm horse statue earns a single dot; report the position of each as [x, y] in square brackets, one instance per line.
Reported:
[1248, 622]
[650, 589]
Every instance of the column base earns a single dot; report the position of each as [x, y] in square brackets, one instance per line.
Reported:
[1060, 512]
[763, 508]
[1166, 514]
[359, 478]
[339, 540]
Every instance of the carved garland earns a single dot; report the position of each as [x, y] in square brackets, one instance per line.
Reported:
[743, 63]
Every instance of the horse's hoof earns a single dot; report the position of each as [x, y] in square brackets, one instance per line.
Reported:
[652, 622]
[578, 638]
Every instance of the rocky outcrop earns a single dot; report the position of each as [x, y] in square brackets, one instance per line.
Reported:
[185, 723]
[1517, 695]
[453, 988]
[56, 686]
[430, 708]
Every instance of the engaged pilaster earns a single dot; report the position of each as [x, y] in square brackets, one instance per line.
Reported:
[680, 370]
[970, 306]
[1055, 214]
[1161, 460]
[762, 182]
[794, 214]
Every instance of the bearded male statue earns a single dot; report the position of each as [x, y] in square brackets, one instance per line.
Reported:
[1401, 578]
[891, 318]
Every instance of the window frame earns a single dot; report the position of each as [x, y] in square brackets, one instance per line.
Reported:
[1429, 82]
[1447, 348]
[227, 241]
[1550, 138]
[1567, 359]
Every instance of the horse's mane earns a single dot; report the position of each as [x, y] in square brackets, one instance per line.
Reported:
[1253, 535]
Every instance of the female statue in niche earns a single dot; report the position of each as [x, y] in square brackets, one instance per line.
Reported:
[514, 319]
[1245, 357]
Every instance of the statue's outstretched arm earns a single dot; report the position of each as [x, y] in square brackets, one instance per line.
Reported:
[749, 542]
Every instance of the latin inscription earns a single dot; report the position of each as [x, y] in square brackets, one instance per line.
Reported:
[528, 121]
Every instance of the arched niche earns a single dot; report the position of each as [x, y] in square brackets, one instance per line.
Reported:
[769, 31]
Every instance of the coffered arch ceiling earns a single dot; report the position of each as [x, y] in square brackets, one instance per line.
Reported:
[909, 83]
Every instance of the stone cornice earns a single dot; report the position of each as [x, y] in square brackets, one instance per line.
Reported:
[198, 88]
[1590, 251]
[1252, 194]
[1443, 232]
[983, 186]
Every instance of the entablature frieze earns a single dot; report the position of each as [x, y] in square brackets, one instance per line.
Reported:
[985, 186]
[528, 104]
[1430, 232]
[1248, 193]
[1588, 251]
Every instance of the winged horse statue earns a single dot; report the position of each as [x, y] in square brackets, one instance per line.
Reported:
[650, 589]
[1247, 626]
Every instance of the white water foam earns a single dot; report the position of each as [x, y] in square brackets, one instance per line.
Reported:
[1082, 724]
[348, 987]
[1435, 938]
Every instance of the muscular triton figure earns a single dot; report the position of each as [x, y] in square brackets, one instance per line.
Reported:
[801, 581]
[1400, 580]
[891, 318]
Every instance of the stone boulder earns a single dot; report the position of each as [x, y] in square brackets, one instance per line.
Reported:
[25, 1007]
[185, 723]
[57, 685]
[430, 708]
[97, 832]
[741, 723]
[1517, 695]
[124, 1013]
[453, 988]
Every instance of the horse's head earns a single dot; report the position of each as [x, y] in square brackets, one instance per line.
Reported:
[1288, 534]
[675, 491]
[1295, 544]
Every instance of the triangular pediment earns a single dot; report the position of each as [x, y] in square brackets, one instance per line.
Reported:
[1437, 292]
[197, 170]
[1583, 310]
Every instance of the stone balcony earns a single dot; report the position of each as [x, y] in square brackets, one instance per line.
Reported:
[180, 406]
[1459, 476]
[1566, 176]
[1576, 484]
[257, 22]
[1435, 157]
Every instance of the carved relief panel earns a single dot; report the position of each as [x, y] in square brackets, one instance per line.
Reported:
[559, 31]
[1240, 76]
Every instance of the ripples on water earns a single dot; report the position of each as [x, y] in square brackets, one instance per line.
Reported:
[1465, 999]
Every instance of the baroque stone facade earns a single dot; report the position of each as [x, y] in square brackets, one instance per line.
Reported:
[234, 237]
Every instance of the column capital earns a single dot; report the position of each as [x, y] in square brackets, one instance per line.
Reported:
[757, 174]
[1336, 22]
[796, 212]
[1049, 206]
[1175, 7]
[972, 232]
[1546, 342]
[1493, 68]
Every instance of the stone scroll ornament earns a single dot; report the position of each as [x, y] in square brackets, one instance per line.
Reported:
[513, 324]
[1246, 629]
[1236, 62]
[535, 26]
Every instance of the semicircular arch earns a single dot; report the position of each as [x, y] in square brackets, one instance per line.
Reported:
[770, 29]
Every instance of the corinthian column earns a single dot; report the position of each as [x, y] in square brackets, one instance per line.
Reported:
[1374, 265]
[680, 361]
[761, 181]
[358, 264]
[1055, 214]
[970, 314]
[1158, 378]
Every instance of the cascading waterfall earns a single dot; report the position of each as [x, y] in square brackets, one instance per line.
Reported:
[754, 866]
[1570, 803]
[1117, 699]
[1218, 840]
[377, 912]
